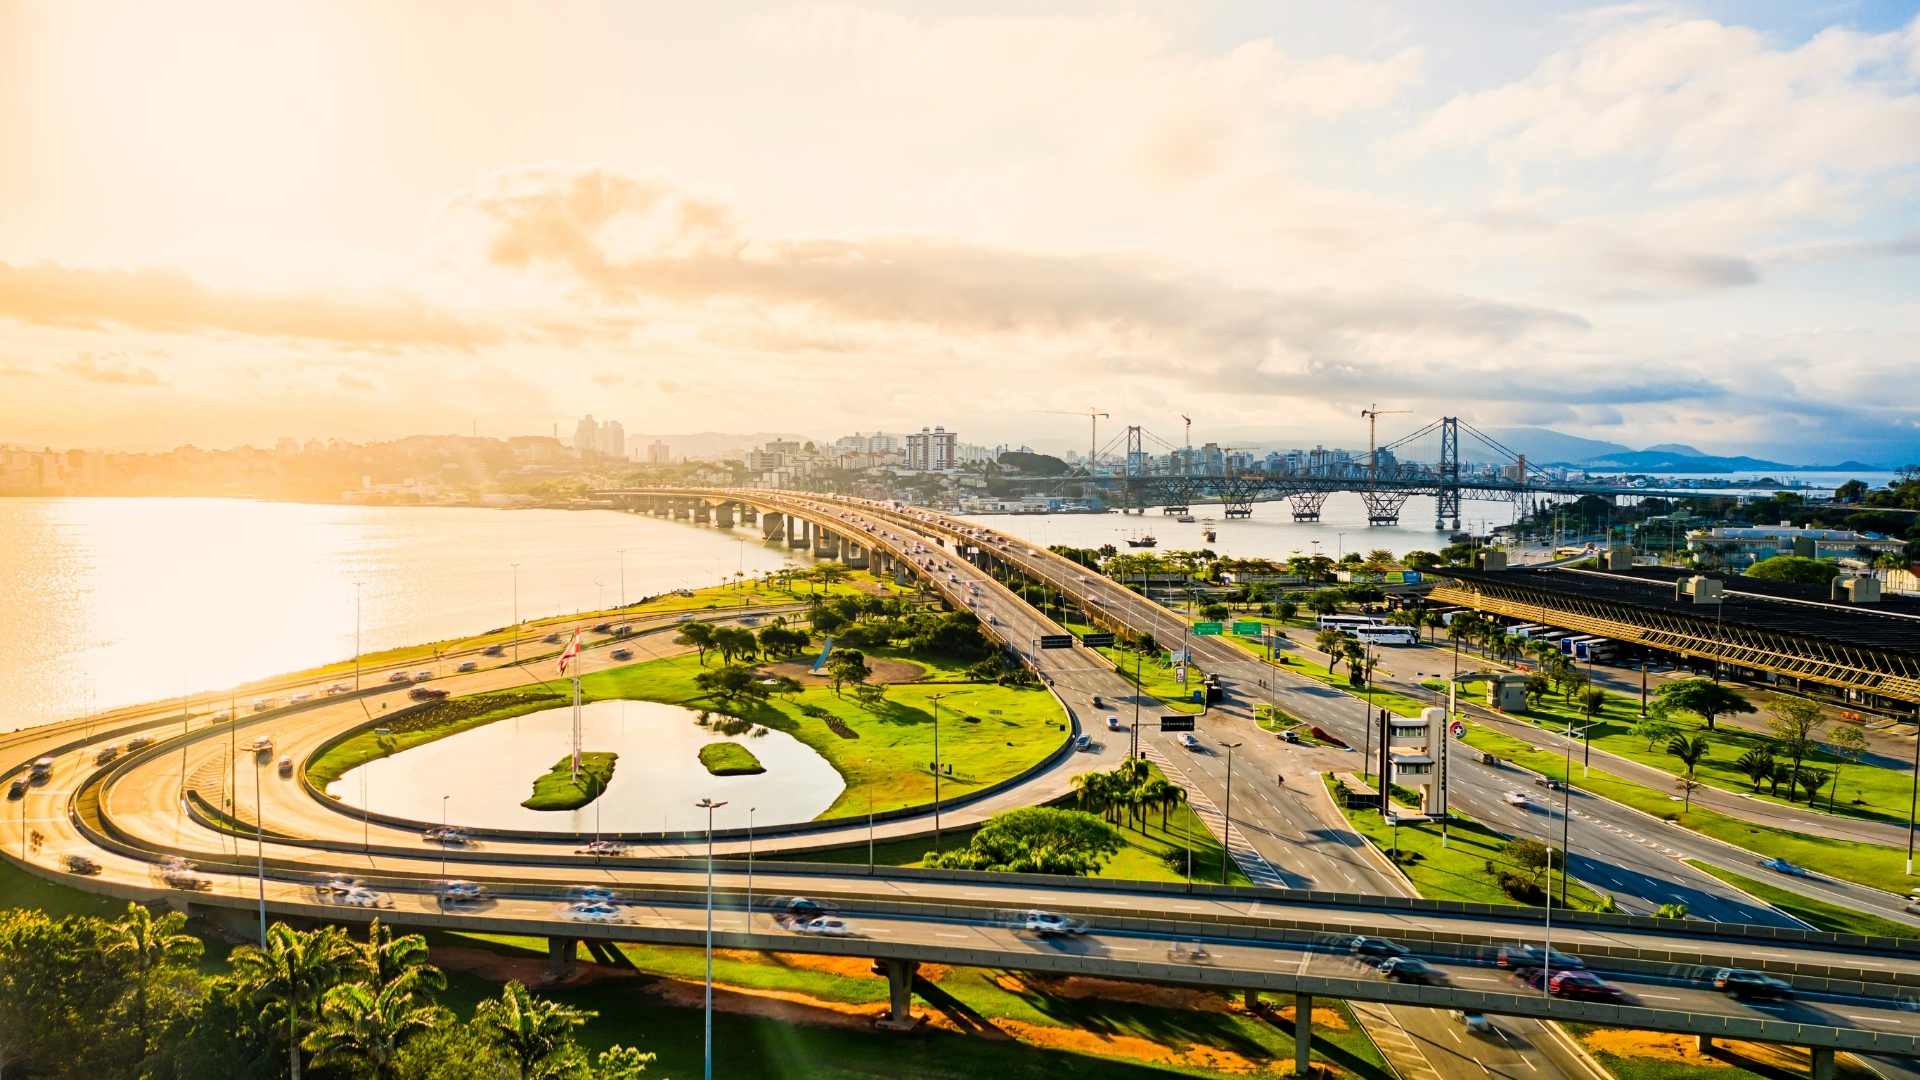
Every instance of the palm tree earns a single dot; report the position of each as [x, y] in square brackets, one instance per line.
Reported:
[152, 947]
[1089, 788]
[389, 960]
[1175, 796]
[292, 970]
[1690, 752]
[530, 1029]
[359, 1024]
[1328, 641]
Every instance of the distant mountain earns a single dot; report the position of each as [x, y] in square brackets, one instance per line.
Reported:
[1542, 445]
[1848, 465]
[709, 445]
[1676, 448]
[1655, 460]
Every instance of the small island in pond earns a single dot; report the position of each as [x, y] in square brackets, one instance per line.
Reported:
[557, 790]
[730, 759]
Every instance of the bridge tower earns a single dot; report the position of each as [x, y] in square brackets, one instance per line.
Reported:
[1447, 503]
[1135, 491]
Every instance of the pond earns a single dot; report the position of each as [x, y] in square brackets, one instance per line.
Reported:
[485, 773]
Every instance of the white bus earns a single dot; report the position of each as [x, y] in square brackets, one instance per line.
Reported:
[1386, 635]
[1348, 623]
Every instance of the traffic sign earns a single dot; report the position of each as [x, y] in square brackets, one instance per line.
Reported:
[1457, 729]
[1247, 627]
[1056, 641]
[1207, 629]
[1180, 673]
[1176, 723]
[1097, 641]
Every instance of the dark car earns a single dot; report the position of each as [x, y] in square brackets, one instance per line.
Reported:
[424, 693]
[622, 654]
[18, 789]
[1584, 985]
[1376, 946]
[1518, 957]
[603, 628]
[1741, 983]
[1412, 969]
[801, 909]
[494, 650]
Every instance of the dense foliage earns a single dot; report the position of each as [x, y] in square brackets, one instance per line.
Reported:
[1794, 568]
[126, 999]
[1036, 840]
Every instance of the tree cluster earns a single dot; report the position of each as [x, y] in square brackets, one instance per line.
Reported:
[126, 998]
[1036, 840]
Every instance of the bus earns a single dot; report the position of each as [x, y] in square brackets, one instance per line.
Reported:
[1386, 635]
[1594, 649]
[1348, 623]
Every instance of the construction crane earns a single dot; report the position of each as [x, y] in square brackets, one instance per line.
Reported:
[1186, 461]
[1093, 415]
[1373, 416]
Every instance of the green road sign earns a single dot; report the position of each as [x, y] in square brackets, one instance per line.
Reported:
[1206, 629]
[1247, 627]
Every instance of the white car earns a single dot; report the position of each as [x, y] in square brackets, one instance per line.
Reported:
[1517, 798]
[826, 925]
[362, 897]
[592, 893]
[460, 892]
[1046, 922]
[590, 911]
[1187, 740]
[469, 665]
[398, 676]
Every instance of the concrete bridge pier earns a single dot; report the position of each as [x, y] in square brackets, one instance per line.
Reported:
[774, 527]
[825, 544]
[854, 556]
[680, 511]
[900, 976]
[702, 512]
[1302, 1034]
[797, 529]
[748, 515]
[724, 516]
[1822, 1065]
[562, 957]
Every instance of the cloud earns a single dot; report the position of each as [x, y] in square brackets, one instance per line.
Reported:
[170, 300]
[15, 371]
[109, 368]
[355, 381]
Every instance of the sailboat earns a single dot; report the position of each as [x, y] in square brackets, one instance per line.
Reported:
[1138, 541]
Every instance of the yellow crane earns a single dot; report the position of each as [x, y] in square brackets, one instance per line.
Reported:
[1373, 416]
[1093, 415]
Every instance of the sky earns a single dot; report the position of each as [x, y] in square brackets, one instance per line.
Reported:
[1646, 223]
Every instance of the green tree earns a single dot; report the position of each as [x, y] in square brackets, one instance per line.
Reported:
[451, 1052]
[847, 666]
[1330, 641]
[1286, 609]
[157, 954]
[536, 1035]
[1323, 602]
[363, 1027]
[290, 973]
[387, 959]
[1794, 568]
[1691, 753]
[699, 635]
[1757, 764]
[1811, 781]
[733, 686]
[1848, 744]
[1793, 724]
[1705, 697]
[732, 641]
[1215, 612]
[1036, 840]
[1657, 726]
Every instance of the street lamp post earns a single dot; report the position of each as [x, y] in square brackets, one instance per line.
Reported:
[443, 835]
[709, 805]
[623, 577]
[260, 846]
[516, 612]
[1226, 831]
[750, 811]
[356, 635]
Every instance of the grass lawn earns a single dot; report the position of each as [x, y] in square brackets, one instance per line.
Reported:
[1060, 1028]
[558, 790]
[1867, 864]
[435, 721]
[1401, 704]
[1648, 1055]
[1824, 916]
[1459, 870]
[1156, 678]
[1145, 857]
[987, 733]
[730, 759]
[1865, 791]
[753, 593]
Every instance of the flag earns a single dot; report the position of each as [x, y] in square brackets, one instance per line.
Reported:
[572, 651]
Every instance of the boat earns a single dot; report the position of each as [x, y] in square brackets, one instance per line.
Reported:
[1142, 541]
[1209, 534]
[1185, 519]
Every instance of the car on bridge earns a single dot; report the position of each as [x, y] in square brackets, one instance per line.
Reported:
[445, 834]
[17, 789]
[285, 766]
[1083, 743]
[362, 897]
[106, 753]
[139, 743]
[1377, 946]
[468, 665]
[826, 926]
[494, 650]
[603, 847]
[459, 892]
[1047, 923]
[1474, 1022]
[598, 893]
[1521, 957]
[79, 864]
[1412, 969]
[800, 909]
[1741, 983]
[551, 639]
[1583, 985]
[598, 911]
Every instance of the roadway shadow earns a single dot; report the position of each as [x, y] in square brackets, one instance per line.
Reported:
[1324, 1048]
[1169, 1015]
[1659, 890]
[1766, 1069]
[958, 1013]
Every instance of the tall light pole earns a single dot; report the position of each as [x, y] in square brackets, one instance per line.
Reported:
[260, 846]
[356, 634]
[1226, 833]
[516, 612]
[623, 577]
[709, 805]
[443, 835]
[750, 811]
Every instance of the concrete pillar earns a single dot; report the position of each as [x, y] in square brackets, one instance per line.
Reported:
[562, 957]
[748, 515]
[1703, 1043]
[1302, 1034]
[825, 544]
[1822, 1064]
[854, 556]
[774, 527]
[725, 516]
[900, 976]
[702, 512]
[797, 529]
[1252, 1000]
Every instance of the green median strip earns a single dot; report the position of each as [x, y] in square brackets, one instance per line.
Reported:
[1864, 864]
[1819, 914]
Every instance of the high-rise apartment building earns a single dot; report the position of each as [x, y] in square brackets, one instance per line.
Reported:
[586, 435]
[657, 454]
[611, 439]
[933, 451]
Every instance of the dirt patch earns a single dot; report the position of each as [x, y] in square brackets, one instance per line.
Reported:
[1684, 1049]
[774, 1004]
[1076, 986]
[1322, 1018]
[884, 671]
[1129, 1046]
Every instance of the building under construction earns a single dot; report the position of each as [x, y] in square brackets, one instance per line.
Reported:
[1845, 642]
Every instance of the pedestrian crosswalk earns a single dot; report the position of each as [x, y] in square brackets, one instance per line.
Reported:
[1251, 862]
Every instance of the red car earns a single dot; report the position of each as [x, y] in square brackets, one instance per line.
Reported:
[1584, 985]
